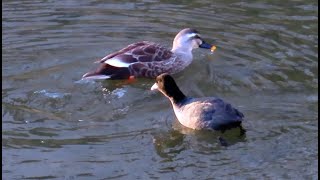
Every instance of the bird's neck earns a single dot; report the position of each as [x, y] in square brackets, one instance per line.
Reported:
[177, 97]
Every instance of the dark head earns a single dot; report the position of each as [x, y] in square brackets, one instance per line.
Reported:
[167, 86]
[190, 39]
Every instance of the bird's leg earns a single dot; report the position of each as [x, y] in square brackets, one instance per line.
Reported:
[130, 80]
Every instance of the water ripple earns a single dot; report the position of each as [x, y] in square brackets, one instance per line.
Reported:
[57, 126]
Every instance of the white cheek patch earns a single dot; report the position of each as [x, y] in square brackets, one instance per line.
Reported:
[192, 35]
[117, 62]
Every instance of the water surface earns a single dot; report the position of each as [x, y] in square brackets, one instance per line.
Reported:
[57, 127]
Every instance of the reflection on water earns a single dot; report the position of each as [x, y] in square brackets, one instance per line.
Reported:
[57, 126]
[169, 144]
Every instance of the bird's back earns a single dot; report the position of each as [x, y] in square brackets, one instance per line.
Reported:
[208, 113]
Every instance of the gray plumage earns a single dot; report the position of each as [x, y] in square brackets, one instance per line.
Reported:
[199, 113]
[207, 113]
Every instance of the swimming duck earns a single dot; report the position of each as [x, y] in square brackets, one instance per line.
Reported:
[148, 59]
[209, 113]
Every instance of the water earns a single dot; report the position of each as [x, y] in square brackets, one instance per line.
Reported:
[57, 127]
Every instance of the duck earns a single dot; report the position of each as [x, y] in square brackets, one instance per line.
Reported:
[148, 59]
[206, 113]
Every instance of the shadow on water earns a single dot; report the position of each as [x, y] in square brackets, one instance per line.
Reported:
[170, 143]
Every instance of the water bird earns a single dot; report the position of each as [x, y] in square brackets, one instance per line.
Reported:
[148, 59]
[206, 113]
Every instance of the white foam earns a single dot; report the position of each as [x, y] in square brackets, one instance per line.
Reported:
[52, 94]
[119, 92]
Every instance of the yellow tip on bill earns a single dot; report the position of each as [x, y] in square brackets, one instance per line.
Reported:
[213, 48]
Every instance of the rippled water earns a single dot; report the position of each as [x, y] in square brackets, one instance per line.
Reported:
[57, 127]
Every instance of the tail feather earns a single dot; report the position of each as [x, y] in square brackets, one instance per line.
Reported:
[95, 76]
[106, 71]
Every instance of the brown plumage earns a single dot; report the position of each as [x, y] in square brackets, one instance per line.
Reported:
[148, 59]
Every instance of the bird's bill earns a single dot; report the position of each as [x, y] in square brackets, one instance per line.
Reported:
[154, 87]
[207, 46]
